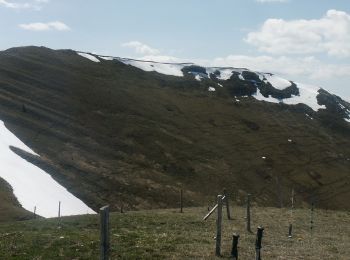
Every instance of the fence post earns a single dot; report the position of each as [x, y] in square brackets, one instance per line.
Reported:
[218, 227]
[234, 251]
[290, 230]
[258, 240]
[59, 209]
[181, 201]
[104, 243]
[227, 205]
[248, 213]
[312, 218]
[34, 212]
[291, 216]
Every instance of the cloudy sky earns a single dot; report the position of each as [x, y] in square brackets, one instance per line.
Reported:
[305, 41]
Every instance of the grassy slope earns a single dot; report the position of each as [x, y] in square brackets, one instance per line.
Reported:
[167, 234]
[125, 136]
[10, 209]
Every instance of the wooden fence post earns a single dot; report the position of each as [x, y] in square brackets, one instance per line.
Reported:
[248, 213]
[104, 243]
[218, 227]
[59, 209]
[234, 251]
[227, 205]
[290, 230]
[181, 201]
[312, 218]
[34, 212]
[258, 240]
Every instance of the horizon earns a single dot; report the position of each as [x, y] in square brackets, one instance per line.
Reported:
[301, 41]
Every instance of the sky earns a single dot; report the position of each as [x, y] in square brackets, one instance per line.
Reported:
[304, 41]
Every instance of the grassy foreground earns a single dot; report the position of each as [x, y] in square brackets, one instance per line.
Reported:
[167, 234]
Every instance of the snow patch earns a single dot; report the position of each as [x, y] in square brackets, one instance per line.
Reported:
[277, 82]
[106, 57]
[31, 185]
[89, 56]
[174, 69]
[308, 116]
[211, 89]
[308, 96]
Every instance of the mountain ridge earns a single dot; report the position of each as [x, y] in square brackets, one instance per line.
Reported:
[114, 134]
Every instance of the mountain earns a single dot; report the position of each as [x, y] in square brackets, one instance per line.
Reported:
[133, 133]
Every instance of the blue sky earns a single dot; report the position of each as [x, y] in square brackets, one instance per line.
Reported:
[305, 41]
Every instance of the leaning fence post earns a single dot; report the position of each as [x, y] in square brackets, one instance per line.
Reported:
[218, 227]
[227, 205]
[258, 240]
[248, 213]
[104, 243]
[181, 201]
[234, 251]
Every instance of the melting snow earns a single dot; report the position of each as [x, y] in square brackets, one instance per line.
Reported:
[277, 82]
[89, 56]
[307, 115]
[198, 77]
[211, 89]
[174, 69]
[308, 96]
[106, 57]
[31, 185]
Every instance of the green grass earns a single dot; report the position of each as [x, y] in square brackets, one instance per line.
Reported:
[168, 234]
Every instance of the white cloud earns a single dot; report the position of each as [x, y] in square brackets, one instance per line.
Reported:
[329, 34]
[34, 4]
[14, 5]
[272, 1]
[58, 26]
[141, 48]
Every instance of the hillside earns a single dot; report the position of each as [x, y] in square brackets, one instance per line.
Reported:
[112, 133]
[164, 234]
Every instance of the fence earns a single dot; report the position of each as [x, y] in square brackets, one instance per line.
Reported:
[222, 201]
